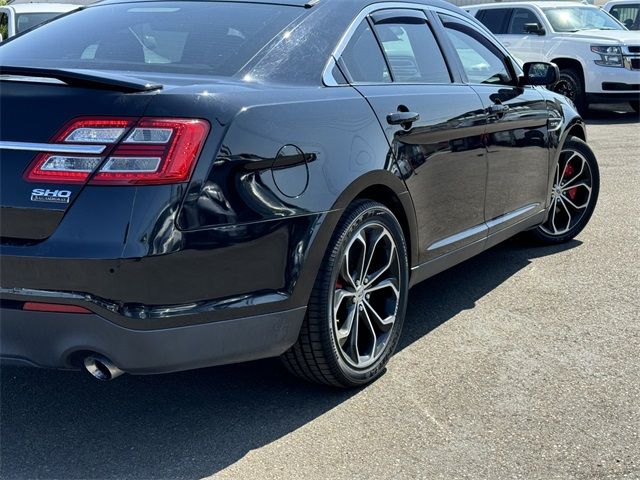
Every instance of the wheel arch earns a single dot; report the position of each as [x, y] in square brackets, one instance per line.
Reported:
[575, 128]
[565, 63]
[386, 188]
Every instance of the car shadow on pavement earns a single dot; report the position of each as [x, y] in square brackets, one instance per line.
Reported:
[194, 424]
[438, 299]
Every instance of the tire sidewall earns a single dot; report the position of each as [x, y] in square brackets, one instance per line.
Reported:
[375, 213]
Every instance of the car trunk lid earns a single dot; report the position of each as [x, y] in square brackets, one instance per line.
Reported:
[35, 104]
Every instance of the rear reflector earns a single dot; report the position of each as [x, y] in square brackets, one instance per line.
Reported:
[137, 152]
[54, 307]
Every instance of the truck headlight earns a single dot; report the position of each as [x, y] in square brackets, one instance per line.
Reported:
[609, 56]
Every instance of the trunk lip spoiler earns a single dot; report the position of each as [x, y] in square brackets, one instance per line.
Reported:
[52, 147]
[85, 78]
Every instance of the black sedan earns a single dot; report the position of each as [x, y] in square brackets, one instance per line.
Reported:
[193, 183]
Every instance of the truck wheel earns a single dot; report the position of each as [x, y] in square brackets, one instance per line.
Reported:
[571, 86]
[358, 303]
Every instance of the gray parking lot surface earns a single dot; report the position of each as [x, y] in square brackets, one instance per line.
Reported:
[520, 363]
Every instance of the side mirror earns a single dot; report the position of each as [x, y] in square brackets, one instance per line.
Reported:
[540, 73]
[534, 28]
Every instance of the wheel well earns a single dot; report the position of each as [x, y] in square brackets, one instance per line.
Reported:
[577, 131]
[564, 63]
[388, 198]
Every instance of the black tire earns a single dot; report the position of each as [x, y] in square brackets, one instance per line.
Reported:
[317, 355]
[635, 104]
[570, 85]
[545, 232]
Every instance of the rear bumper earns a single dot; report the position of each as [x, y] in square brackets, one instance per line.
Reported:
[58, 340]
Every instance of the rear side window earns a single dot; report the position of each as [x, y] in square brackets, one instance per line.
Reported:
[362, 58]
[520, 17]
[413, 53]
[182, 37]
[495, 19]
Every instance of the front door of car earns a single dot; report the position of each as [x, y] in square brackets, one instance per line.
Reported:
[517, 133]
[433, 122]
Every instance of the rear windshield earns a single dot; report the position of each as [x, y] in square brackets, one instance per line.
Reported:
[176, 37]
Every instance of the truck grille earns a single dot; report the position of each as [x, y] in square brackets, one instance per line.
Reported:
[634, 49]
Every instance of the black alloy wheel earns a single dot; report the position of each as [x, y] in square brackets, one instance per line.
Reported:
[358, 304]
[571, 86]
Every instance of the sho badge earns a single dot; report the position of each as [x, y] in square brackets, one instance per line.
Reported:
[52, 196]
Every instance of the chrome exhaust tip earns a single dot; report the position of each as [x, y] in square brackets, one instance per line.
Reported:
[101, 368]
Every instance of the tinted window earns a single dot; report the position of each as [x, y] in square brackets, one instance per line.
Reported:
[481, 60]
[362, 58]
[25, 21]
[520, 17]
[495, 19]
[413, 53]
[186, 37]
[628, 15]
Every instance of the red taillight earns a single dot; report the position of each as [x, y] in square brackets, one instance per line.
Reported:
[54, 307]
[76, 168]
[148, 151]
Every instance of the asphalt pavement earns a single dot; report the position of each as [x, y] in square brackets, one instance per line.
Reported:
[523, 362]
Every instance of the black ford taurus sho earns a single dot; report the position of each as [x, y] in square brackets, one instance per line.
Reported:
[193, 183]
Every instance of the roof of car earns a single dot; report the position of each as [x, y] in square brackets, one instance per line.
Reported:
[43, 7]
[541, 4]
[312, 3]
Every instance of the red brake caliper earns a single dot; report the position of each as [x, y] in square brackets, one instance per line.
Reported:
[568, 171]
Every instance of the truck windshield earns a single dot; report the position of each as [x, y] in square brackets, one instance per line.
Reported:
[202, 38]
[574, 19]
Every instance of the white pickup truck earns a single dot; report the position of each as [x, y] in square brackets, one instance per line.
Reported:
[18, 17]
[599, 59]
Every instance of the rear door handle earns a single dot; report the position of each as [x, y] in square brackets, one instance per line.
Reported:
[402, 118]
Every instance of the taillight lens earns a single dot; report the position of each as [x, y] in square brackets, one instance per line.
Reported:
[149, 151]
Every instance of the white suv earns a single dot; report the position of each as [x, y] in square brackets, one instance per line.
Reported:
[599, 59]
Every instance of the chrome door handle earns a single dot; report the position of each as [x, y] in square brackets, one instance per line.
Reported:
[401, 118]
